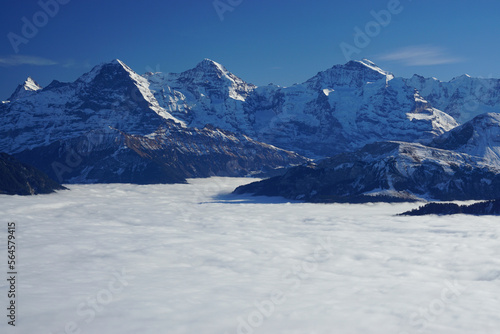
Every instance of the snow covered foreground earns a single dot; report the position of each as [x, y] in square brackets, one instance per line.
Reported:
[191, 259]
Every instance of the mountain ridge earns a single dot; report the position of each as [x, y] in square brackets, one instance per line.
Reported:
[346, 108]
[329, 113]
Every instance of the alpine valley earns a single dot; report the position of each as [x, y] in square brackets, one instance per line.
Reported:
[374, 136]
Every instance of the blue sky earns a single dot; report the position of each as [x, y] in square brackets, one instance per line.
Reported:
[261, 41]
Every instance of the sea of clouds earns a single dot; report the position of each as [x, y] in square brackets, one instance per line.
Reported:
[191, 258]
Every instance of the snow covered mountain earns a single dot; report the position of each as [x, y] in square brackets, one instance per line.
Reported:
[463, 163]
[169, 155]
[386, 171]
[26, 89]
[207, 121]
[206, 94]
[463, 97]
[478, 137]
[100, 112]
[342, 108]
[109, 95]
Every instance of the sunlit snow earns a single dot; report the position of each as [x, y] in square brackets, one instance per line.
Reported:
[189, 258]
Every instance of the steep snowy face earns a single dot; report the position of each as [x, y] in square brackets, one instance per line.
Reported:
[353, 74]
[206, 94]
[111, 94]
[479, 137]
[342, 109]
[27, 88]
[339, 109]
[463, 97]
[119, 80]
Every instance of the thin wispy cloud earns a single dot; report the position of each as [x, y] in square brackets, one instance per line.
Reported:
[18, 60]
[421, 55]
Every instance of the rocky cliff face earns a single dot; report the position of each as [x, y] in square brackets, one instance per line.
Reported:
[17, 178]
[386, 171]
[169, 155]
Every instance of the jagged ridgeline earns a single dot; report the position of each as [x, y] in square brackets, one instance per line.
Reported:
[107, 126]
[114, 125]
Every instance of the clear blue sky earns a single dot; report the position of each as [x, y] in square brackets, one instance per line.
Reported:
[261, 41]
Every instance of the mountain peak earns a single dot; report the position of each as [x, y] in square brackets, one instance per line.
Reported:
[114, 67]
[27, 88]
[485, 122]
[478, 137]
[121, 64]
[31, 85]
[461, 77]
[370, 65]
[354, 73]
[210, 65]
[117, 61]
[210, 71]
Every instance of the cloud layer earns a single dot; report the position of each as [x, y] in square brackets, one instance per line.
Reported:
[421, 55]
[17, 60]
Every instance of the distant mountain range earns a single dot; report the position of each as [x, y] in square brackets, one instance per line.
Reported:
[401, 135]
[462, 164]
[107, 126]
[340, 109]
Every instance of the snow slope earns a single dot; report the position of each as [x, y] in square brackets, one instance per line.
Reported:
[196, 261]
[26, 89]
[478, 137]
[111, 94]
[339, 109]
[93, 130]
[463, 97]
